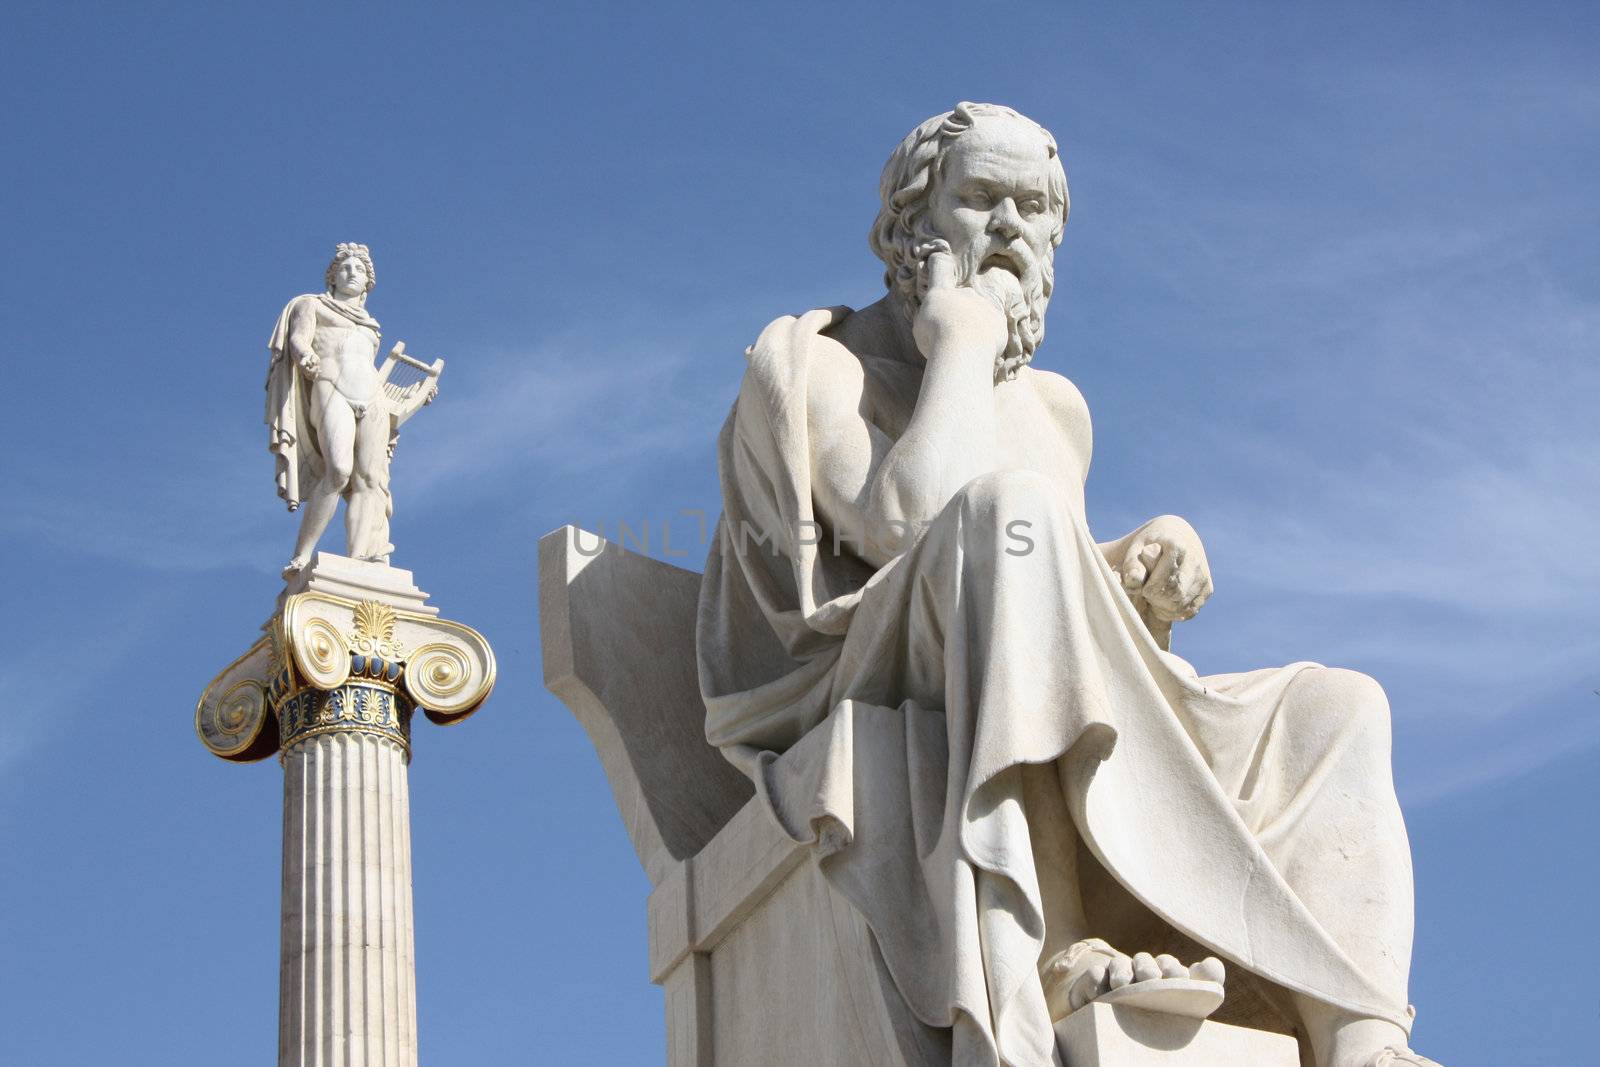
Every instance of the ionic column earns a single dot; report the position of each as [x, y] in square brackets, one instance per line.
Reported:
[331, 688]
[346, 986]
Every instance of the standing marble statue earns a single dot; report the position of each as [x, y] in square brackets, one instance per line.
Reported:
[331, 682]
[334, 415]
[1032, 802]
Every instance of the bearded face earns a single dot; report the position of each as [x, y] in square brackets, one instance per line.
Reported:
[1018, 282]
[984, 184]
[990, 205]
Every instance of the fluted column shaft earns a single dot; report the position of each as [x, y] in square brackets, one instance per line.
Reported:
[331, 687]
[347, 993]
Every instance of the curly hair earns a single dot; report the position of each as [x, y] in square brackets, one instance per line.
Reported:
[901, 234]
[344, 251]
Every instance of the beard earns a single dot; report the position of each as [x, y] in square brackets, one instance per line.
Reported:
[1017, 282]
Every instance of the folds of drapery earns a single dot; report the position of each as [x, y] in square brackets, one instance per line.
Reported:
[290, 437]
[887, 715]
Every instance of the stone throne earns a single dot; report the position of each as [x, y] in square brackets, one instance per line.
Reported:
[761, 961]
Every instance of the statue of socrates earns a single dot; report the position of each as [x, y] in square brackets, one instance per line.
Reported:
[1032, 803]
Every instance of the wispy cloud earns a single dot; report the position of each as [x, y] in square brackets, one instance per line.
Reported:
[59, 698]
[198, 509]
[1513, 755]
[1401, 469]
[1461, 479]
[566, 406]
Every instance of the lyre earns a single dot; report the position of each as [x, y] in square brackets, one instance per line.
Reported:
[408, 383]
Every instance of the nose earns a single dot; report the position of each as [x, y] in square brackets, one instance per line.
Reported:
[1004, 222]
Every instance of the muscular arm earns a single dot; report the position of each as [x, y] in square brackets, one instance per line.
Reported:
[847, 450]
[1071, 414]
[302, 332]
[949, 441]
[876, 493]
[880, 492]
[1162, 563]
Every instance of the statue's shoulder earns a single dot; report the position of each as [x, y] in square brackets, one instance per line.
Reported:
[305, 308]
[1057, 391]
[835, 381]
[828, 360]
[298, 314]
[795, 352]
[1066, 403]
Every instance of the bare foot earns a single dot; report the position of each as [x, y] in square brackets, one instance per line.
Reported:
[1093, 970]
[295, 566]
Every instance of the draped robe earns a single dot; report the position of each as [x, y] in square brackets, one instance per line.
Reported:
[903, 718]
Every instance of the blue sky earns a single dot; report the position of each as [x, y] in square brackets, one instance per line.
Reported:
[1328, 287]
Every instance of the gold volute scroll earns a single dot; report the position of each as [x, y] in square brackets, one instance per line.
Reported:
[330, 662]
[233, 719]
[448, 669]
[443, 679]
[316, 638]
[321, 653]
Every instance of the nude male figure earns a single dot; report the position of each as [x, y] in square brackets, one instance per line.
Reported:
[333, 424]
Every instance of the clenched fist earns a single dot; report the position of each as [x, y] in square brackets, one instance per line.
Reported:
[1166, 564]
[956, 321]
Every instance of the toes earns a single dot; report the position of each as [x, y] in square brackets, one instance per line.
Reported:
[1114, 971]
[1120, 973]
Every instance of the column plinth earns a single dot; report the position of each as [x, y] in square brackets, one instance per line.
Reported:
[331, 688]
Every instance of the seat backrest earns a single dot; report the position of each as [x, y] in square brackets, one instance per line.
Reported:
[618, 636]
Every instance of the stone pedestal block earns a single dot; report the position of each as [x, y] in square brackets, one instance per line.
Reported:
[1100, 1035]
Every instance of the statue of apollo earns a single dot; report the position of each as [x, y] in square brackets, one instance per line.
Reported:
[334, 414]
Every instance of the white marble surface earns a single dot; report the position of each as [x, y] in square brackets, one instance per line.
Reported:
[617, 635]
[333, 413]
[347, 975]
[982, 729]
[1104, 1036]
[759, 958]
[965, 708]
[352, 648]
[357, 579]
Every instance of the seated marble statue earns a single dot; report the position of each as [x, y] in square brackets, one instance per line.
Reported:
[912, 644]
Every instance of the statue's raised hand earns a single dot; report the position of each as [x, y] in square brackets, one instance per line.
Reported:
[956, 321]
[1166, 564]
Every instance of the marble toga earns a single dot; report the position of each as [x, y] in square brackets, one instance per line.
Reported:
[954, 729]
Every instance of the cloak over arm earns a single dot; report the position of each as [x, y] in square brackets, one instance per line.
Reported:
[288, 423]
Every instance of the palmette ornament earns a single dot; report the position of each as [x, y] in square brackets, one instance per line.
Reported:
[332, 664]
